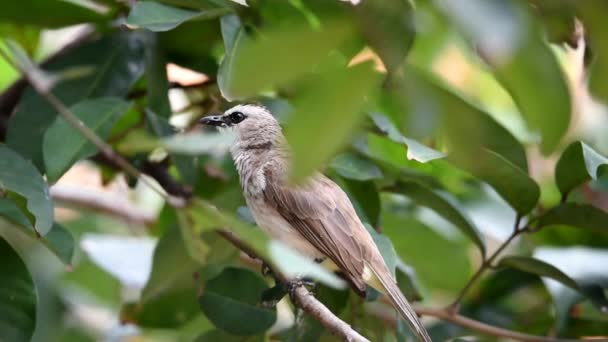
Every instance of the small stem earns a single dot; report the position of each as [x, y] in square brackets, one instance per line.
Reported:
[453, 308]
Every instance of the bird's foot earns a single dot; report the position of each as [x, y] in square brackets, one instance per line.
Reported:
[295, 283]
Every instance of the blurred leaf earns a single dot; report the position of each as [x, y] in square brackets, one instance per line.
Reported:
[538, 267]
[330, 109]
[388, 27]
[443, 206]
[590, 13]
[423, 248]
[36, 12]
[578, 164]
[415, 150]
[63, 145]
[354, 167]
[575, 215]
[232, 302]
[511, 42]
[158, 17]
[117, 61]
[204, 217]
[269, 55]
[465, 127]
[20, 176]
[511, 183]
[17, 297]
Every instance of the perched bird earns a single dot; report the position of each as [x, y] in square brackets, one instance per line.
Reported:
[316, 218]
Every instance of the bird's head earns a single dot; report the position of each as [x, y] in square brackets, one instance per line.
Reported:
[252, 123]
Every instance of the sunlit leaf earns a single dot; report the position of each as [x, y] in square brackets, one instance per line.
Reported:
[20, 176]
[443, 206]
[17, 297]
[578, 164]
[232, 302]
[63, 145]
[511, 42]
[415, 150]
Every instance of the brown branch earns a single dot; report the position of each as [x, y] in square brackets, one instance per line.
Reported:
[306, 301]
[101, 201]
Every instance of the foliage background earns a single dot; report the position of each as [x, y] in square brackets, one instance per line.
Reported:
[448, 123]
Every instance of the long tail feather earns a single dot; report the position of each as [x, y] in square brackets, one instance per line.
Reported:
[401, 304]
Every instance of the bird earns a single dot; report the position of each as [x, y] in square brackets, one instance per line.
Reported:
[315, 217]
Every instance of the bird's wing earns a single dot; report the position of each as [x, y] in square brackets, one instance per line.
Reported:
[323, 215]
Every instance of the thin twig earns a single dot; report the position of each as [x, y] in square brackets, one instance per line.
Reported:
[485, 265]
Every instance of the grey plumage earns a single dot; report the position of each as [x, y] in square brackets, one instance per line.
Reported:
[315, 218]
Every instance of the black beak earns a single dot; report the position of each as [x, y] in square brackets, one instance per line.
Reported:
[214, 120]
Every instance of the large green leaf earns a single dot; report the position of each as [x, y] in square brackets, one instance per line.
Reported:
[355, 167]
[538, 267]
[63, 145]
[578, 164]
[575, 215]
[38, 12]
[17, 297]
[158, 17]
[519, 190]
[20, 176]
[270, 55]
[328, 108]
[443, 206]
[232, 302]
[521, 61]
[388, 27]
[115, 62]
[532, 265]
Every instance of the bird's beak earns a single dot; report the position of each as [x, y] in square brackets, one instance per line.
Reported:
[213, 120]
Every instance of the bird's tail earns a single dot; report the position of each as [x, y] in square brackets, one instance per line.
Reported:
[391, 290]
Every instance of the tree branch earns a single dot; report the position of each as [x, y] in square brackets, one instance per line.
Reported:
[487, 263]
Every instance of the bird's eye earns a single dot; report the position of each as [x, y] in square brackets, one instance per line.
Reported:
[237, 117]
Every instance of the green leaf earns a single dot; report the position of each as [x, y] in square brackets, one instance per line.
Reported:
[415, 150]
[63, 145]
[159, 18]
[538, 267]
[465, 127]
[232, 302]
[521, 61]
[578, 164]
[116, 61]
[519, 190]
[336, 100]
[355, 167]
[270, 55]
[17, 297]
[36, 12]
[388, 27]
[575, 215]
[20, 176]
[444, 207]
